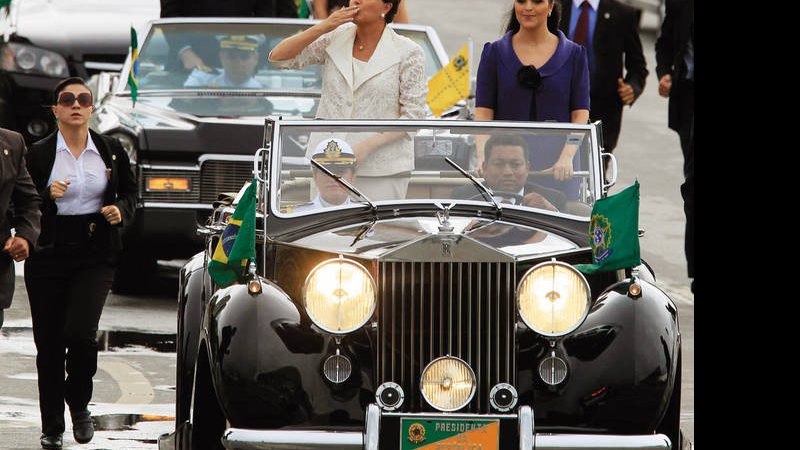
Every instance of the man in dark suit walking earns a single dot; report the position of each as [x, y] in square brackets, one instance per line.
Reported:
[675, 70]
[610, 32]
[19, 209]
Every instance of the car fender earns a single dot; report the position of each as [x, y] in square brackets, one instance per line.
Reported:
[191, 295]
[621, 363]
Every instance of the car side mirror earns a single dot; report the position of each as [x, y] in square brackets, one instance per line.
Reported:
[610, 179]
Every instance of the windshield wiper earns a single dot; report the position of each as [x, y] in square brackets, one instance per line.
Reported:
[485, 191]
[346, 184]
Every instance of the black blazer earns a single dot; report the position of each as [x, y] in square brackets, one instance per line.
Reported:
[616, 39]
[121, 189]
[19, 206]
[228, 8]
[554, 196]
[671, 47]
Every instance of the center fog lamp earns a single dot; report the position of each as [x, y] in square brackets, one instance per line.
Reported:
[339, 295]
[553, 298]
[447, 383]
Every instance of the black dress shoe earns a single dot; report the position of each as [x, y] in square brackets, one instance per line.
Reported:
[82, 427]
[53, 442]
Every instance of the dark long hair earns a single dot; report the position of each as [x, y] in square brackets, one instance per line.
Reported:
[552, 21]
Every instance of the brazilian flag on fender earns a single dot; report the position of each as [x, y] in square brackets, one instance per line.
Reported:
[614, 232]
[237, 245]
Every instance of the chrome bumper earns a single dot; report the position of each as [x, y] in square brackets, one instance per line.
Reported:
[244, 439]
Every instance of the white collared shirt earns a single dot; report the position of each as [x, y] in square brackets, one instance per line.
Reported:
[511, 200]
[87, 178]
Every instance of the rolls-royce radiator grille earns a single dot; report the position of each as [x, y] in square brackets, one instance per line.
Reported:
[427, 310]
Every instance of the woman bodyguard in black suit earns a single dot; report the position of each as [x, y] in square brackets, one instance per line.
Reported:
[88, 193]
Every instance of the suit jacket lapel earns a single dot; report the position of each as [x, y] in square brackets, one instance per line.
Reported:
[108, 159]
[340, 50]
[602, 26]
[386, 55]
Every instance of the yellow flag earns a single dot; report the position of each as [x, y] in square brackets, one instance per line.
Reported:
[450, 84]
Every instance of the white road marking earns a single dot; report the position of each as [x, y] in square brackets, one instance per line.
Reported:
[132, 383]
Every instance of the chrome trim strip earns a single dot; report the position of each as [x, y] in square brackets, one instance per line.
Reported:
[527, 440]
[114, 67]
[225, 157]
[246, 439]
[372, 427]
[167, 167]
[600, 442]
[452, 415]
[177, 205]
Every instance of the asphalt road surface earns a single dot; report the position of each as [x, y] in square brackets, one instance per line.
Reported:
[134, 395]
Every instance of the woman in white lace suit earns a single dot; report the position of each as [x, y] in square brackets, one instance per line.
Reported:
[369, 72]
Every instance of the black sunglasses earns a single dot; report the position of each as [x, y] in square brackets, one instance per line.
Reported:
[529, 77]
[68, 99]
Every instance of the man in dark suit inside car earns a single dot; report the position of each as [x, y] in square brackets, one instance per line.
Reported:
[505, 171]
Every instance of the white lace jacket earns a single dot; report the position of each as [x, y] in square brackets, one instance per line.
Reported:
[395, 86]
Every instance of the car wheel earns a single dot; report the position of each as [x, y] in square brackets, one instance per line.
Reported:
[208, 421]
[671, 423]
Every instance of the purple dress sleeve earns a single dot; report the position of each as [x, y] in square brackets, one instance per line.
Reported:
[579, 94]
[486, 83]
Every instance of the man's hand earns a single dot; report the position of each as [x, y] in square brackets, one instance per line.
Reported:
[17, 247]
[665, 85]
[190, 61]
[537, 200]
[625, 92]
[58, 188]
[112, 214]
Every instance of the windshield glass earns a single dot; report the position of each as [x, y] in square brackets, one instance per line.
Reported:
[407, 163]
[207, 69]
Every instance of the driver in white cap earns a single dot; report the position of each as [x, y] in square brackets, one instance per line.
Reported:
[239, 56]
[337, 156]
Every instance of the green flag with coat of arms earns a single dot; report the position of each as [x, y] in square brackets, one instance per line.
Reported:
[614, 232]
[237, 245]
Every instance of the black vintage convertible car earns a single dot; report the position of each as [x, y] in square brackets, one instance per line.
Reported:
[446, 318]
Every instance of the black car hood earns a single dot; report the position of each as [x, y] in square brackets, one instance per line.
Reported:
[407, 239]
[172, 134]
[79, 27]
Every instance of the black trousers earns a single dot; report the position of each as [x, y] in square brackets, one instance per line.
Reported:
[67, 290]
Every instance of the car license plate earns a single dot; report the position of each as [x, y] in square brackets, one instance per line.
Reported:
[427, 433]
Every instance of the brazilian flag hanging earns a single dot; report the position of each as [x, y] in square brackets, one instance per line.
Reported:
[614, 232]
[133, 81]
[237, 245]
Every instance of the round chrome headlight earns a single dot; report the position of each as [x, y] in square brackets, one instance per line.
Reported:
[448, 383]
[553, 298]
[339, 295]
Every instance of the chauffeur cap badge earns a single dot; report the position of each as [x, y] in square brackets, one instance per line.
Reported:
[334, 152]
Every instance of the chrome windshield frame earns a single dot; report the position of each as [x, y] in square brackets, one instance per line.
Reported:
[384, 125]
